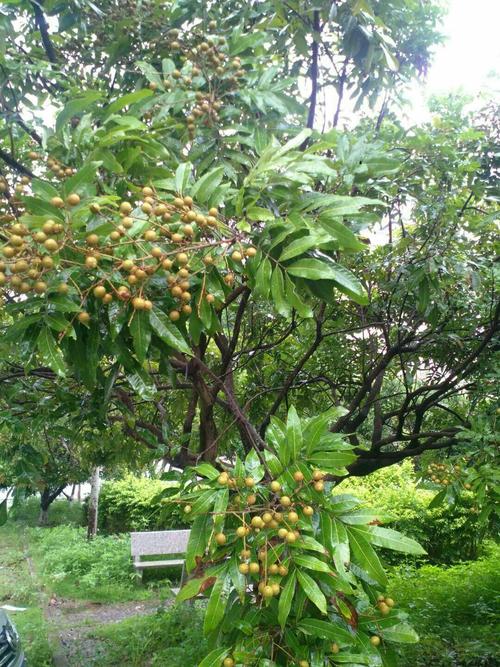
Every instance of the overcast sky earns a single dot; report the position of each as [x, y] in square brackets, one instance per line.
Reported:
[470, 56]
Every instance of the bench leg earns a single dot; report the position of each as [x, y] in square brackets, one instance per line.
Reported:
[139, 571]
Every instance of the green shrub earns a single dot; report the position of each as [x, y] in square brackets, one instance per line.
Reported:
[172, 637]
[454, 610]
[65, 553]
[449, 533]
[61, 512]
[132, 504]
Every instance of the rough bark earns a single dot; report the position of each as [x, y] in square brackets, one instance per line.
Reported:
[95, 489]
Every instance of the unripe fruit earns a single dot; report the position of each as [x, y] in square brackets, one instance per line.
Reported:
[187, 509]
[267, 592]
[285, 501]
[125, 208]
[275, 486]
[57, 201]
[244, 568]
[99, 291]
[221, 539]
[334, 648]
[73, 199]
[389, 602]
[383, 608]
[83, 317]
[228, 662]
[298, 476]
[375, 640]
[303, 663]
[223, 478]
[254, 568]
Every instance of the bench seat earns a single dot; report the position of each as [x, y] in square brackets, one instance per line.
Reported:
[157, 563]
[159, 543]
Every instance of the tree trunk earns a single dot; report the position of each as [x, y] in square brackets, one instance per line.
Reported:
[46, 499]
[95, 487]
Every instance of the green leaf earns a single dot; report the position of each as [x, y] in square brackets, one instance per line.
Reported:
[127, 100]
[293, 433]
[263, 279]
[198, 538]
[315, 428]
[50, 352]
[216, 606]
[312, 590]
[311, 563]
[204, 502]
[286, 597]
[3, 512]
[298, 247]
[315, 269]
[205, 186]
[391, 539]
[293, 143]
[75, 106]
[273, 463]
[278, 293]
[140, 329]
[182, 174]
[214, 658]
[191, 589]
[402, 633]
[364, 555]
[325, 630]
[142, 383]
[340, 232]
[207, 470]
[332, 460]
[259, 214]
[167, 331]
[82, 180]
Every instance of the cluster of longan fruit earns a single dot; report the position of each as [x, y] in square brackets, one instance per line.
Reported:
[209, 65]
[54, 165]
[442, 474]
[176, 233]
[384, 604]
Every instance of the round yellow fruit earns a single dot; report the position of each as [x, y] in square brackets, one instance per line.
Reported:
[375, 640]
[275, 486]
[221, 539]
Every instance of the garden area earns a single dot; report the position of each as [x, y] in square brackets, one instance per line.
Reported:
[249, 324]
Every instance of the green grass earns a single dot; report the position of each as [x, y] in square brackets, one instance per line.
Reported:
[17, 588]
[455, 610]
[61, 512]
[173, 637]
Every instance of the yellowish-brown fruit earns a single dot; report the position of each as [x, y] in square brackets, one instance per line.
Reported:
[298, 476]
[276, 588]
[334, 648]
[83, 317]
[57, 201]
[91, 262]
[209, 298]
[308, 510]
[293, 517]
[73, 199]
[181, 258]
[186, 309]
[319, 486]
[221, 539]
[213, 211]
[174, 315]
[99, 291]
[254, 568]
[236, 256]
[273, 569]
[156, 252]
[51, 245]
[283, 570]
[291, 537]
[389, 602]
[125, 208]
[228, 662]
[94, 207]
[167, 264]
[275, 486]
[40, 287]
[241, 531]
[317, 475]
[257, 522]
[138, 303]
[285, 501]
[267, 517]
[251, 499]
[267, 592]
[107, 298]
[383, 608]
[8, 251]
[223, 478]
[249, 481]
[150, 235]
[375, 640]
[303, 663]
[282, 532]
[251, 251]
[92, 240]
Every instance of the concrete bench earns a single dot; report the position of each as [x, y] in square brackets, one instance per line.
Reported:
[159, 543]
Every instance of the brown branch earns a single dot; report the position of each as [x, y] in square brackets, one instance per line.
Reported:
[44, 30]
[14, 164]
